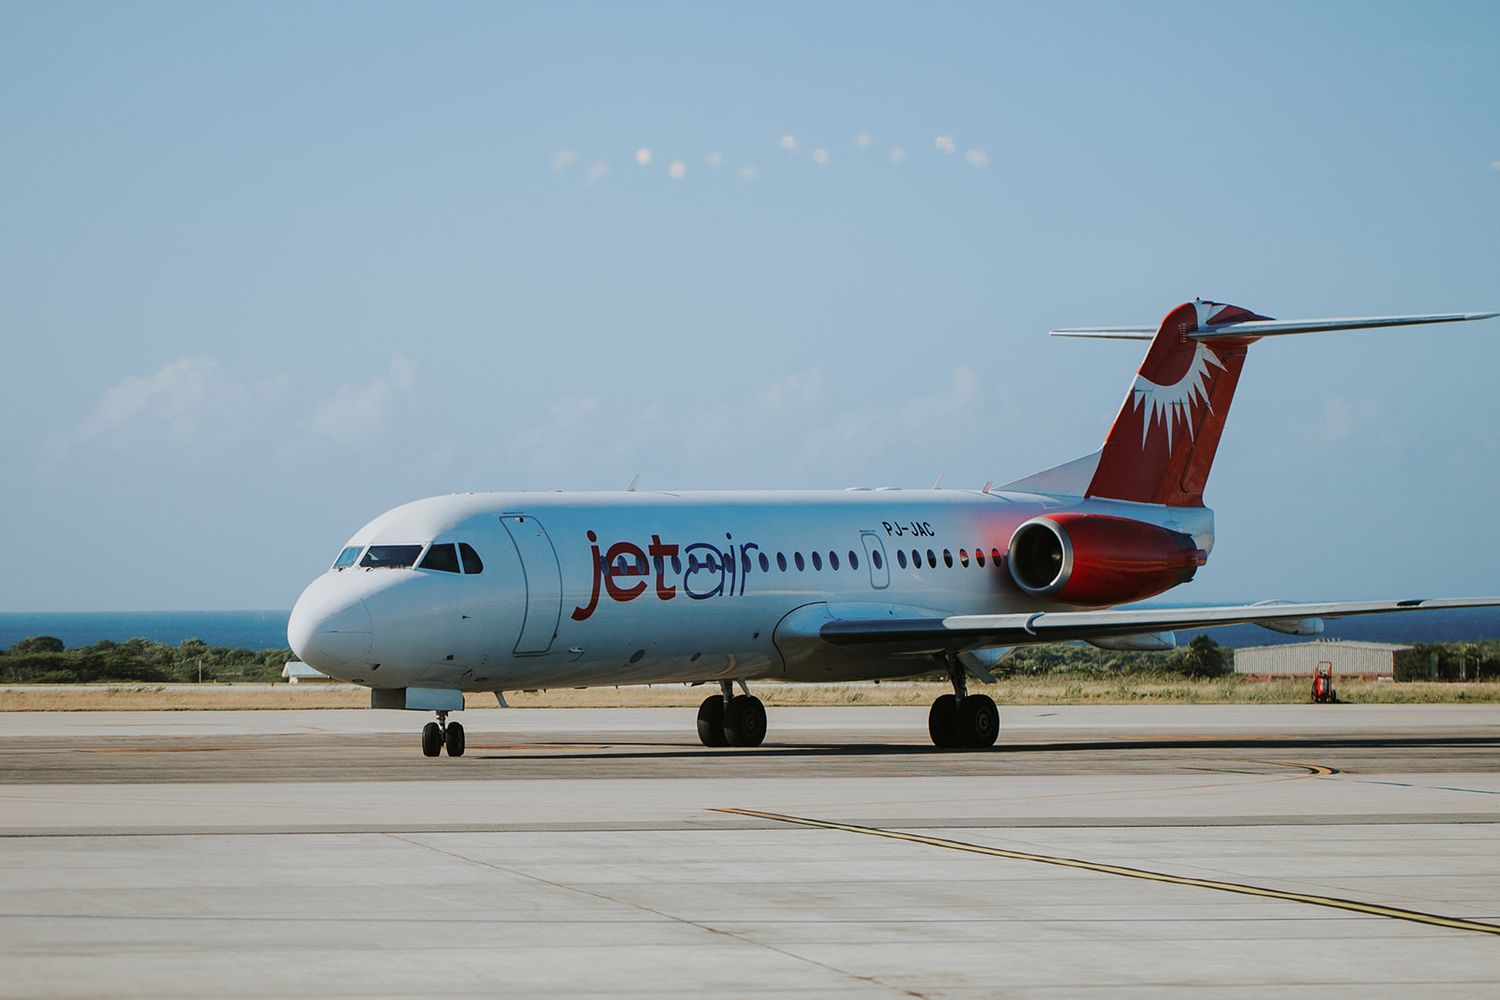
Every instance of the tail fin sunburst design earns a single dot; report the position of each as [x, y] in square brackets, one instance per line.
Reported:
[1171, 404]
[1162, 444]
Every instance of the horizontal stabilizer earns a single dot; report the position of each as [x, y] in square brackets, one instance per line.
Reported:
[1272, 327]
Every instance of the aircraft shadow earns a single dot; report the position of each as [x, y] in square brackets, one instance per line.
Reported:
[678, 751]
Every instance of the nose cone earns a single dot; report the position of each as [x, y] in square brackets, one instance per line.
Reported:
[330, 627]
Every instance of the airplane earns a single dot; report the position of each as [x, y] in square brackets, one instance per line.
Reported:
[495, 592]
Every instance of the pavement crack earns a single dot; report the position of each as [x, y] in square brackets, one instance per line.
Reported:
[707, 928]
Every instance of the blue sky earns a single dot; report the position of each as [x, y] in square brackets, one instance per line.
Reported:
[269, 269]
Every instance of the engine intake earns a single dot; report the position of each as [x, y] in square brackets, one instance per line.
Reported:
[1096, 559]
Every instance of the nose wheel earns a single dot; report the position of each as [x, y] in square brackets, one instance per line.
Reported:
[440, 734]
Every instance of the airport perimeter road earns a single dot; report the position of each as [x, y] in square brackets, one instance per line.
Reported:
[1099, 851]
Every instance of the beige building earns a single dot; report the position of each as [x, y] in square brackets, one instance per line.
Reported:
[1371, 660]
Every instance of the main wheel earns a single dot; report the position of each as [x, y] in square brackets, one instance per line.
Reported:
[942, 722]
[745, 721]
[455, 740]
[978, 721]
[432, 740]
[711, 722]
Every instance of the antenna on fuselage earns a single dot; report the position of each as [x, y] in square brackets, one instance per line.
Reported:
[939, 484]
[634, 483]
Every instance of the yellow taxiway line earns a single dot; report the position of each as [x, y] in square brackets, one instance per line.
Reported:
[1352, 905]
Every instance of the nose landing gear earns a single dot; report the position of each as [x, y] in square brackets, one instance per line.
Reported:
[731, 720]
[436, 735]
[961, 719]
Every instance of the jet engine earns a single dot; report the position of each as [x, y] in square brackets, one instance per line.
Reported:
[1096, 559]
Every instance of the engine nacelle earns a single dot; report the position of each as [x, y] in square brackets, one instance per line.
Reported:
[1151, 642]
[1099, 559]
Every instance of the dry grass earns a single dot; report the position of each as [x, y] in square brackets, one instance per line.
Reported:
[1054, 690]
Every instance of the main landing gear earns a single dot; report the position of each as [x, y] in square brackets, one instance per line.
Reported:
[731, 720]
[961, 719]
[436, 735]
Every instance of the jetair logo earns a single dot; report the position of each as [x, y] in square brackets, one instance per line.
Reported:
[700, 570]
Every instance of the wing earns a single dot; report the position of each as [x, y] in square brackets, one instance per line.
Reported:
[958, 632]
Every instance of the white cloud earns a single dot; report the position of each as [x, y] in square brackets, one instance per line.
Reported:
[789, 143]
[747, 172]
[896, 155]
[1341, 417]
[563, 159]
[190, 402]
[619, 431]
[945, 144]
[643, 157]
[677, 171]
[794, 424]
[1495, 164]
[820, 157]
[354, 412]
[714, 159]
[913, 422]
[977, 158]
[596, 173]
[864, 140]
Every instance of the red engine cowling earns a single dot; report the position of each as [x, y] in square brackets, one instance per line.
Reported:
[1098, 559]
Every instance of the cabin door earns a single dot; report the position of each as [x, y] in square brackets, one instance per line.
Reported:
[543, 583]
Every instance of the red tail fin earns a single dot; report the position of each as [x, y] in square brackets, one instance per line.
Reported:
[1162, 444]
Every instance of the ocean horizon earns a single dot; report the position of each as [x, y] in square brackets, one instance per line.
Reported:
[267, 629]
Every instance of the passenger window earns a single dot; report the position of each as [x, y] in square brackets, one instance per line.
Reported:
[900, 559]
[765, 563]
[931, 559]
[817, 562]
[744, 561]
[472, 563]
[442, 558]
[853, 560]
[875, 558]
[979, 556]
[948, 558]
[995, 555]
[833, 560]
[797, 558]
[916, 559]
[348, 557]
[963, 557]
[391, 556]
[781, 561]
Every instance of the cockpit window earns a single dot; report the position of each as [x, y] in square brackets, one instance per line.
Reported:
[348, 557]
[472, 562]
[441, 558]
[391, 556]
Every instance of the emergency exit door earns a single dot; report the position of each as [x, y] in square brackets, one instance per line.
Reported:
[880, 570]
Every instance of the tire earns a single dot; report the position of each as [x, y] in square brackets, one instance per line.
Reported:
[942, 722]
[745, 721]
[432, 740]
[978, 721]
[711, 722]
[455, 740]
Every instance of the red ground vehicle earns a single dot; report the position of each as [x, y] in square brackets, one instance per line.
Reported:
[1323, 692]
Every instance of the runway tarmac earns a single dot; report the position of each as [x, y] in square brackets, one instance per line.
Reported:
[1097, 851]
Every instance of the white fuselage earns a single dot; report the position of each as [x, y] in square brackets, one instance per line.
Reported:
[588, 589]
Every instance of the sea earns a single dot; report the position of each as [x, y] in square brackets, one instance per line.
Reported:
[267, 629]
